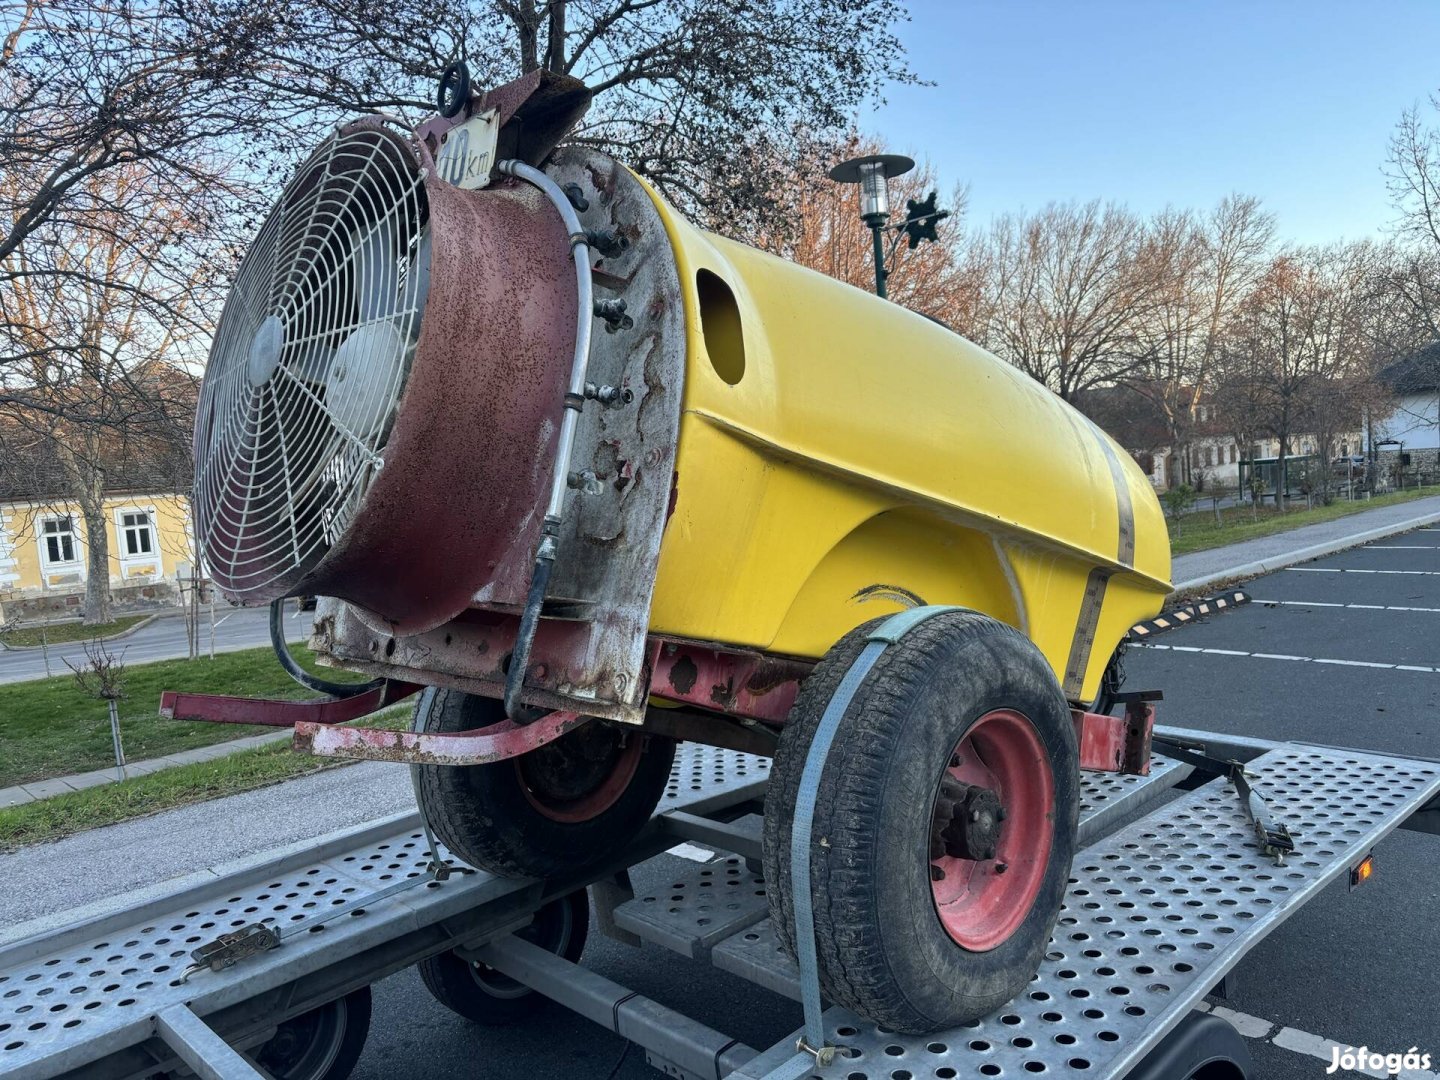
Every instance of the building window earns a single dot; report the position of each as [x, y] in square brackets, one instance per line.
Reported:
[1232, 455]
[1209, 456]
[137, 535]
[57, 541]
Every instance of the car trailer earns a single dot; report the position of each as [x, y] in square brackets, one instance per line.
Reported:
[263, 968]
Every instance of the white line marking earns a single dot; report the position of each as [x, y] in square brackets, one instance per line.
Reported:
[220, 622]
[1349, 570]
[1357, 607]
[692, 852]
[1252, 1027]
[1400, 547]
[1299, 1042]
[1283, 656]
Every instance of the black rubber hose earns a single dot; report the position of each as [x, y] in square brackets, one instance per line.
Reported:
[299, 674]
[520, 658]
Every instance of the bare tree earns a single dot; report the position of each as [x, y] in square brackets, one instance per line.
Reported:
[711, 100]
[96, 322]
[1413, 173]
[1062, 292]
[1202, 267]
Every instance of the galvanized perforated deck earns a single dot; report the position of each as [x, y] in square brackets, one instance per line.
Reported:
[736, 933]
[70, 997]
[1156, 914]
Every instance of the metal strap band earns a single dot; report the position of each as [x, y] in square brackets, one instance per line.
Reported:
[885, 635]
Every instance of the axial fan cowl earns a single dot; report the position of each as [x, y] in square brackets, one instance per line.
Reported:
[380, 413]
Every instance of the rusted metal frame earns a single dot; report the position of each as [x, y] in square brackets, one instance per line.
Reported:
[1119, 744]
[749, 684]
[480, 747]
[689, 725]
[223, 709]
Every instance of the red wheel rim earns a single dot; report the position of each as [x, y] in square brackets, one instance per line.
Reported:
[981, 902]
[572, 809]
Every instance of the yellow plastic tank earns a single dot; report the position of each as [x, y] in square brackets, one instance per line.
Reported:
[841, 457]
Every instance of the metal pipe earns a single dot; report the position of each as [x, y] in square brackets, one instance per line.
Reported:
[564, 450]
[584, 319]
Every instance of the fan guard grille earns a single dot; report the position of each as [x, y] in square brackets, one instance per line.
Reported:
[308, 363]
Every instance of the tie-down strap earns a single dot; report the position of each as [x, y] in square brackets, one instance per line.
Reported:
[812, 1049]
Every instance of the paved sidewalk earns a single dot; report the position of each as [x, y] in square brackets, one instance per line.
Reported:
[1298, 545]
[44, 789]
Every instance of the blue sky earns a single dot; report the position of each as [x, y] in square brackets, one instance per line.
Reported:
[1166, 102]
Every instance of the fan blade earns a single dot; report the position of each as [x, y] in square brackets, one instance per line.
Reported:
[376, 271]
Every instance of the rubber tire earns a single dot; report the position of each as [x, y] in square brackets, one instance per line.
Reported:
[481, 814]
[356, 1005]
[881, 948]
[457, 985]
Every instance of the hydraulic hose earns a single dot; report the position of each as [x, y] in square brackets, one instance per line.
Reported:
[299, 674]
[569, 422]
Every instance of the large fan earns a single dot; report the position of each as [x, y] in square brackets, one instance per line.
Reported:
[309, 362]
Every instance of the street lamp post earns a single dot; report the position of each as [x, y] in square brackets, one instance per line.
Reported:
[872, 173]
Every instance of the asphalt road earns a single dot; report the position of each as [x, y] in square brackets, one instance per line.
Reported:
[162, 639]
[1356, 967]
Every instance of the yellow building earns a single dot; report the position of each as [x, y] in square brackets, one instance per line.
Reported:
[44, 559]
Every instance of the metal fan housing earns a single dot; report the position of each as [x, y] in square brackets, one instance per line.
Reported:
[393, 464]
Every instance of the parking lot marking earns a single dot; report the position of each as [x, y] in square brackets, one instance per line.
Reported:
[1351, 570]
[1282, 656]
[1402, 547]
[1356, 607]
[1297, 1041]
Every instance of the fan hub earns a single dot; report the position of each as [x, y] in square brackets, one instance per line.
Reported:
[265, 350]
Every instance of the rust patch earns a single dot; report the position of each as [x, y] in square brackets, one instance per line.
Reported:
[683, 675]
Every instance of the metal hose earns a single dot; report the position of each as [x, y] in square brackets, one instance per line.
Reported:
[569, 422]
[299, 674]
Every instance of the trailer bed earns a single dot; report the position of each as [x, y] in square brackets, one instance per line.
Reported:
[1159, 909]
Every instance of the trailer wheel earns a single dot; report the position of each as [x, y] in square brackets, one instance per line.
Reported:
[482, 994]
[944, 823]
[322, 1044]
[557, 810]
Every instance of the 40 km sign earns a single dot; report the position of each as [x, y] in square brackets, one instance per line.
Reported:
[468, 153]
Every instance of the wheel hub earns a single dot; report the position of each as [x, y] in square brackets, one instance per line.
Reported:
[967, 824]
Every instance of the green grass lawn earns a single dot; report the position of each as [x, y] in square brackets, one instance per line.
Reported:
[56, 633]
[49, 728]
[245, 770]
[1199, 530]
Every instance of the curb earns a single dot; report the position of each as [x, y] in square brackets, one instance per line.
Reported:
[1177, 617]
[111, 637]
[1305, 554]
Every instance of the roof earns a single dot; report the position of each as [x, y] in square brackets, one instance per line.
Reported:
[1415, 374]
[31, 470]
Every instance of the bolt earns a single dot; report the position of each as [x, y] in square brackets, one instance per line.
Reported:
[974, 815]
